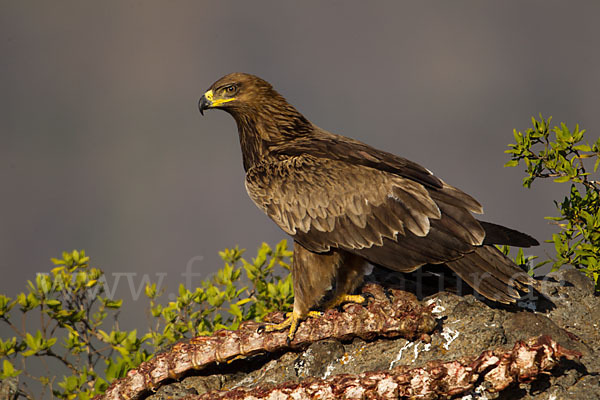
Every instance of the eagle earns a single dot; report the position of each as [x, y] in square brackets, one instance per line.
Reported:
[348, 205]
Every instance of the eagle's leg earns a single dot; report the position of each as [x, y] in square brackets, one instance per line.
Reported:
[313, 274]
[348, 278]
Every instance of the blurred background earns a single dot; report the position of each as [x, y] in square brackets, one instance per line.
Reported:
[102, 147]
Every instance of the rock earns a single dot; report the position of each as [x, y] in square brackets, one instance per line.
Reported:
[318, 358]
[467, 328]
[524, 324]
[579, 281]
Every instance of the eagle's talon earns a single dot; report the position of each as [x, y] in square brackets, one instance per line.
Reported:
[292, 321]
[367, 296]
[346, 298]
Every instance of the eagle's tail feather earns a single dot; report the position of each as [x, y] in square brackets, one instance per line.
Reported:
[492, 274]
[498, 234]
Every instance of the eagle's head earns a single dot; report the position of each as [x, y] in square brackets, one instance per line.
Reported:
[237, 92]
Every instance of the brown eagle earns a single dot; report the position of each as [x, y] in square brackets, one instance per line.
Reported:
[347, 204]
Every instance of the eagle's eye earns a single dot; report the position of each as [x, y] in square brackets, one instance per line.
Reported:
[230, 89]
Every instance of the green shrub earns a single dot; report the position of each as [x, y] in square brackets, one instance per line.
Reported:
[71, 304]
[561, 154]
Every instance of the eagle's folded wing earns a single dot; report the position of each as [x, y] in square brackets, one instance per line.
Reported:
[381, 216]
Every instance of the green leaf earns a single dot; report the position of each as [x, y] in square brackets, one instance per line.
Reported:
[53, 303]
[243, 301]
[512, 163]
[235, 311]
[561, 179]
[75, 255]
[582, 147]
[115, 304]
[50, 342]
[150, 290]
[104, 336]
[8, 370]
[33, 344]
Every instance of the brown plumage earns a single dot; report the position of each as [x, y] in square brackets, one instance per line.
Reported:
[347, 204]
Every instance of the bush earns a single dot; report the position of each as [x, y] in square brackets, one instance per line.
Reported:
[560, 154]
[71, 303]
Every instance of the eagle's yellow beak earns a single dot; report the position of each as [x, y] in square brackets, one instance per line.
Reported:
[207, 101]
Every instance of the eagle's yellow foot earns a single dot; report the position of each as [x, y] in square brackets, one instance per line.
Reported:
[292, 321]
[345, 298]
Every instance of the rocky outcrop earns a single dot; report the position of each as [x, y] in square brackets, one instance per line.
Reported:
[543, 348]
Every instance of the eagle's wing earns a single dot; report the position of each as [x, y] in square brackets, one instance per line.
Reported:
[327, 203]
[324, 144]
